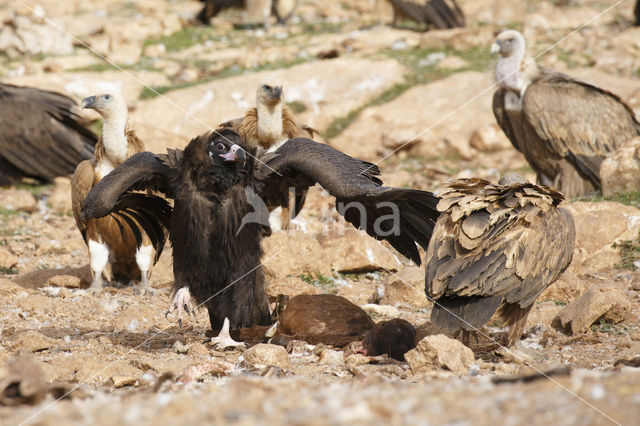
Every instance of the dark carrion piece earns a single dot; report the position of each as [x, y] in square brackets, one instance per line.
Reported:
[564, 127]
[217, 185]
[441, 14]
[42, 136]
[495, 248]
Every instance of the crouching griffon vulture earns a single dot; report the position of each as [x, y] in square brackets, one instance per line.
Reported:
[42, 136]
[495, 248]
[125, 244]
[220, 194]
[564, 127]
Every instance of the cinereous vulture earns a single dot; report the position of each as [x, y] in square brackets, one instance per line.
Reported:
[495, 248]
[220, 192]
[441, 14]
[564, 127]
[42, 136]
[119, 247]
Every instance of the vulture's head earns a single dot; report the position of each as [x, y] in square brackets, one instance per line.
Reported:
[108, 105]
[269, 94]
[509, 43]
[215, 159]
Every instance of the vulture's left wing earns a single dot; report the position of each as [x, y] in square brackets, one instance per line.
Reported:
[403, 217]
[114, 195]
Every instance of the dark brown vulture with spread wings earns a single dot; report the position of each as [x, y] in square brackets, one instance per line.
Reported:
[564, 127]
[220, 194]
[42, 136]
[495, 248]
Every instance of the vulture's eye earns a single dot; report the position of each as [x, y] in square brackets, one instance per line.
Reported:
[267, 87]
[220, 146]
[107, 97]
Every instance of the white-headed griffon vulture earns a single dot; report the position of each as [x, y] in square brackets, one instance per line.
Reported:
[270, 124]
[220, 190]
[124, 245]
[495, 248]
[564, 127]
[42, 135]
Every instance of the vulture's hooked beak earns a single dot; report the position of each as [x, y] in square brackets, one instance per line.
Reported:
[89, 102]
[236, 153]
[277, 92]
[495, 47]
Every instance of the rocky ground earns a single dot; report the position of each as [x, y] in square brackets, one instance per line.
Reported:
[417, 102]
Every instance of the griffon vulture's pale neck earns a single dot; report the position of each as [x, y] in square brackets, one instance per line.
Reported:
[113, 136]
[270, 122]
[517, 71]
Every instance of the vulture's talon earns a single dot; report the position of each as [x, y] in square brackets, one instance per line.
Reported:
[224, 340]
[180, 304]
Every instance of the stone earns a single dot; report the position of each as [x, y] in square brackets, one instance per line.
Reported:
[290, 286]
[439, 351]
[26, 373]
[598, 226]
[32, 341]
[353, 251]
[601, 301]
[9, 288]
[293, 253]
[620, 171]
[7, 259]
[452, 63]
[332, 358]
[265, 354]
[197, 371]
[96, 371]
[68, 281]
[18, 199]
[407, 287]
[60, 198]
[122, 381]
[354, 361]
[489, 138]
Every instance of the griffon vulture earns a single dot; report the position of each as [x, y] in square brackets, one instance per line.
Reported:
[119, 245]
[441, 14]
[42, 136]
[564, 127]
[495, 248]
[220, 193]
[270, 124]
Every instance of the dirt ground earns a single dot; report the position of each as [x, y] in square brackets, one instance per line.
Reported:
[417, 102]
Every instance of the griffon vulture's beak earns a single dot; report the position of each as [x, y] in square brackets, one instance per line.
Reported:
[495, 47]
[89, 102]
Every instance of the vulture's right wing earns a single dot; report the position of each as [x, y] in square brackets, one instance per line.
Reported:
[403, 217]
[114, 195]
[41, 133]
[499, 111]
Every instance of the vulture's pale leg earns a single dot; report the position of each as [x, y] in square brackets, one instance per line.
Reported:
[223, 339]
[517, 320]
[180, 303]
[98, 259]
[144, 258]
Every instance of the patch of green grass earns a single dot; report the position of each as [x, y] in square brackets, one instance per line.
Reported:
[8, 271]
[186, 37]
[629, 253]
[8, 212]
[422, 69]
[328, 284]
[606, 327]
[37, 189]
[629, 198]
[297, 107]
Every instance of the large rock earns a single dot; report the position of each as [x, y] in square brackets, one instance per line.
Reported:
[598, 226]
[32, 341]
[60, 198]
[439, 351]
[265, 354]
[620, 171]
[18, 199]
[405, 286]
[441, 129]
[32, 35]
[602, 301]
[355, 251]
